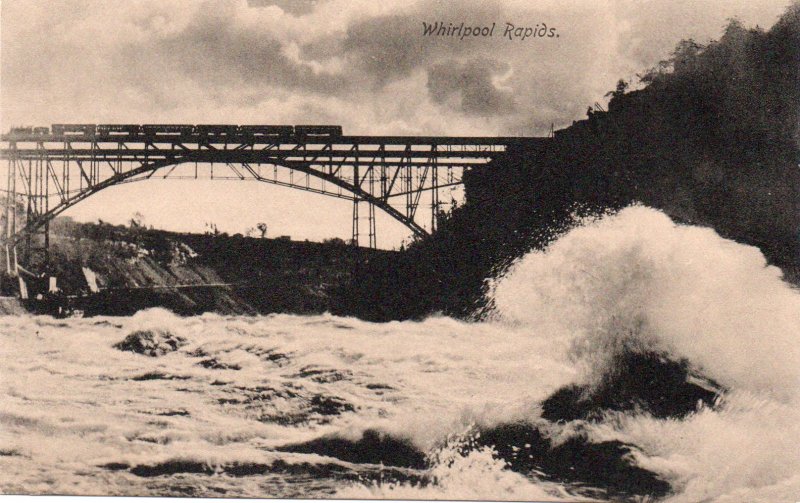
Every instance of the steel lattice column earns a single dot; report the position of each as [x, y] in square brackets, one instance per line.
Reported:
[434, 191]
[11, 213]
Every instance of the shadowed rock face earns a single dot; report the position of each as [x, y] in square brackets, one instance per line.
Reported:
[151, 342]
[644, 381]
[607, 466]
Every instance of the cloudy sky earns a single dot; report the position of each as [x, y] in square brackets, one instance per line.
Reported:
[360, 63]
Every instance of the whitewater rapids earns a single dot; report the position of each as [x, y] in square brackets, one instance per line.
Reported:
[260, 406]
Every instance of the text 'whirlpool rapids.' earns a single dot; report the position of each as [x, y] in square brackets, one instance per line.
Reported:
[508, 31]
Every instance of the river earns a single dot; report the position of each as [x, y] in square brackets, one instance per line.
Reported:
[323, 406]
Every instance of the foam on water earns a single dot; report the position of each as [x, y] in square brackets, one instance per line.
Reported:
[78, 416]
[478, 475]
[637, 281]
[73, 404]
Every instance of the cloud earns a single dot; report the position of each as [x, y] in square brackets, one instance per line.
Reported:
[363, 64]
[295, 7]
[471, 83]
[214, 52]
[385, 48]
[359, 63]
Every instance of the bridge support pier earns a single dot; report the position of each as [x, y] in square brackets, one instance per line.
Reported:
[369, 177]
[434, 191]
[37, 241]
[35, 202]
[10, 223]
[354, 240]
[371, 233]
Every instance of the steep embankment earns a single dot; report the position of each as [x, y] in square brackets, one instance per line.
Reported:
[191, 273]
[713, 139]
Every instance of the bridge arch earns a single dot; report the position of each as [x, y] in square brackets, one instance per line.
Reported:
[358, 193]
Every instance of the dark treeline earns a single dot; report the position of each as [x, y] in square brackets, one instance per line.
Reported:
[712, 138]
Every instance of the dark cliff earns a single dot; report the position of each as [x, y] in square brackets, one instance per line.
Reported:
[712, 139]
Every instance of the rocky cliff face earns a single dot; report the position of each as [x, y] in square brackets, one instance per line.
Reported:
[713, 139]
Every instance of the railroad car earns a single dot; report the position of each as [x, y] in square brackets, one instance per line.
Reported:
[118, 129]
[74, 129]
[216, 130]
[167, 129]
[269, 131]
[318, 131]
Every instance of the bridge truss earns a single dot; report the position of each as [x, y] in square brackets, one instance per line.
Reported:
[50, 171]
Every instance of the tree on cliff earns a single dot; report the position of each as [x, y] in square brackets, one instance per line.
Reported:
[712, 139]
[137, 221]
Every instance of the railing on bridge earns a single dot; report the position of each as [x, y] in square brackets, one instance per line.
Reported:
[51, 169]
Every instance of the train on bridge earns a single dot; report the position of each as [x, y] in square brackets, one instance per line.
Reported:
[151, 132]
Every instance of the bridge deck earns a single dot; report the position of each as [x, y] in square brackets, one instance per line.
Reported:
[246, 147]
[177, 138]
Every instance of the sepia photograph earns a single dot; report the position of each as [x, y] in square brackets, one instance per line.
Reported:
[464, 250]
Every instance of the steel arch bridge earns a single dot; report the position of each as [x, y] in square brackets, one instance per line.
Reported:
[51, 169]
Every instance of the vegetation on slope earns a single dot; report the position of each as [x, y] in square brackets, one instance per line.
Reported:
[190, 274]
[713, 138]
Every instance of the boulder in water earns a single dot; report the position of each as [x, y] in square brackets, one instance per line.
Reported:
[647, 381]
[151, 342]
[373, 447]
[608, 466]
